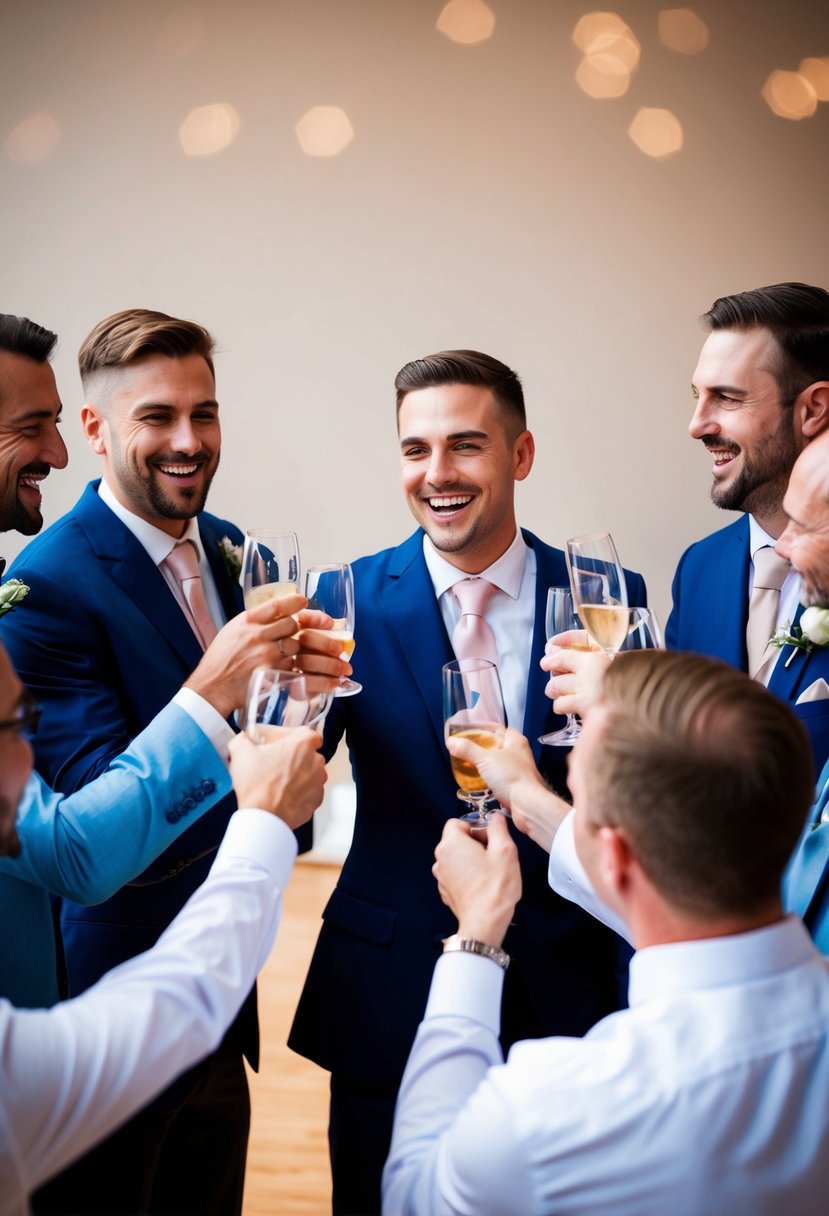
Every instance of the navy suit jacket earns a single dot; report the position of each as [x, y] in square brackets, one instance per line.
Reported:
[806, 882]
[383, 927]
[104, 646]
[709, 616]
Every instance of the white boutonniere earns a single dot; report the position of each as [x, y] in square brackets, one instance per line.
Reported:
[812, 631]
[232, 555]
[11, 593]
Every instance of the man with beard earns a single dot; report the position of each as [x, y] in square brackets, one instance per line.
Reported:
[125, 593]
[762, 389]
[464, 445]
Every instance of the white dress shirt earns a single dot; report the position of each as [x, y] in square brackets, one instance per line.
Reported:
[510, 614]
[710, 1095]
[70, 1074]
[158, 546]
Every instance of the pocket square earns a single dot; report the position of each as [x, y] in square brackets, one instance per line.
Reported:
[818, 691]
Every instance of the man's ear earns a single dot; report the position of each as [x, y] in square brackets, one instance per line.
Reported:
[93, 424]
[523, 455]
[614, 860]
[813, 407]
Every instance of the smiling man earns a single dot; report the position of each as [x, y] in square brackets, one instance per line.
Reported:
[464, 444]
[30, 409]
[762, 390]
[113, 627]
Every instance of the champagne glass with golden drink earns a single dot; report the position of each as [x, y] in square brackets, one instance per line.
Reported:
[473, 708]
[600, 595]
[331, 590]
[270, 565]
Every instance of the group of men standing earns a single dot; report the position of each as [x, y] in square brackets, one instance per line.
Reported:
[127, 635]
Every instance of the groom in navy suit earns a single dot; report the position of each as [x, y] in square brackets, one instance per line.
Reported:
[762, 389]
[464, 444]
[109, 635]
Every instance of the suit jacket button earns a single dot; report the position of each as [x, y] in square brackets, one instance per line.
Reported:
[209, 785]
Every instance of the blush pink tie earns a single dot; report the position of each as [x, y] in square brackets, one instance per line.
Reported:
[182, 561]
[473, 637]
[770, 572]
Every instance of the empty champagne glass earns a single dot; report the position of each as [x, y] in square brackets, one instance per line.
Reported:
[600, 596]
[331, 589]
[561, 617]
[473, 708]
[270, 565]
[285, 698]
[644, 631]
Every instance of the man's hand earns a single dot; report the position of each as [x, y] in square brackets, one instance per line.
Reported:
[510, 773]
[285, 776]
[319, 653]
[575, 684]
[260, 637]
[479, 879]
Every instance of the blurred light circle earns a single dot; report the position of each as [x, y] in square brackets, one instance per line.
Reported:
[466, 21]
[680, 29]
[324, 131]
[656, 132]
[209, 129]
[790, 95]
[34, 139]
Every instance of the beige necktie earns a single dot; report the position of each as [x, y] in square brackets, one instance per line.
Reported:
[473, 637]
[182, 561]
[770, 572]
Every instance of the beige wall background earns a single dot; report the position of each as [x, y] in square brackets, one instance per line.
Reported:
[484, 201]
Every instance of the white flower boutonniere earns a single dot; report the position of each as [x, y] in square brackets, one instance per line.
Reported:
[232, 555]
[812, 631]
[11, 593]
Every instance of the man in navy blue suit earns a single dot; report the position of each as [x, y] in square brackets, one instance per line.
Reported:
[109, 636]
[464, 444]
[762, 389]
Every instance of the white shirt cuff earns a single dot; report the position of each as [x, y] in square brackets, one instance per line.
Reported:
[262, 838]
[468, 986]
[208, 719]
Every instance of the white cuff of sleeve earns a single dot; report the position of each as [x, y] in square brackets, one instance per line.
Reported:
[468, 986]
[262, 838]
[206, 718]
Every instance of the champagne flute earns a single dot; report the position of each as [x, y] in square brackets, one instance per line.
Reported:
[285, 698]
[473, 708]
[561, 617]
[270, 565]
[331, 589]
[599, 589]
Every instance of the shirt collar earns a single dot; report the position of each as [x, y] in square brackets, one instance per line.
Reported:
[159, 544]
[506, 573]
[716, 962]
[758, 537]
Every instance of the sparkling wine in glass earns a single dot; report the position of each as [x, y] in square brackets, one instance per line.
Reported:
[270, 565]
[600, 596]
[285, 698]
[561, 617]
[473, 708]
[331, 589]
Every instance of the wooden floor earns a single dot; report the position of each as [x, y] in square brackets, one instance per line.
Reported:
[288, 1172]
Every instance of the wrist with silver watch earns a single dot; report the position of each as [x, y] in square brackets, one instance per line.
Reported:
[471, 946]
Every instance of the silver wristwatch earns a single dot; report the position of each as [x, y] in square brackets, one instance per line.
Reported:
[472, 946]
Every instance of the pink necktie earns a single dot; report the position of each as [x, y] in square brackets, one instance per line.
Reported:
[769, 575]
[184, 564]
[473, 637]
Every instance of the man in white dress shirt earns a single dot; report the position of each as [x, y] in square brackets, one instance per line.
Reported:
[70, 1074]
[709, 1094]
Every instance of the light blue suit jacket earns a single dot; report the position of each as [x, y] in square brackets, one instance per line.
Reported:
[806, 883]
[84, 847]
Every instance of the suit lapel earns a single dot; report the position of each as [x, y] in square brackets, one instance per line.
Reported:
[791, 668]
[230, 593]
[132, 570]
[414, 618]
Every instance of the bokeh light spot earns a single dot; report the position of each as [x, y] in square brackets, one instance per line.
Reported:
[324, 131]
[602, 76]
[34, 139]
[789, 95]
[611, 54]
[466, 21]
[656, 132]
[680, 29]
[816, 72]
[209, 129]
